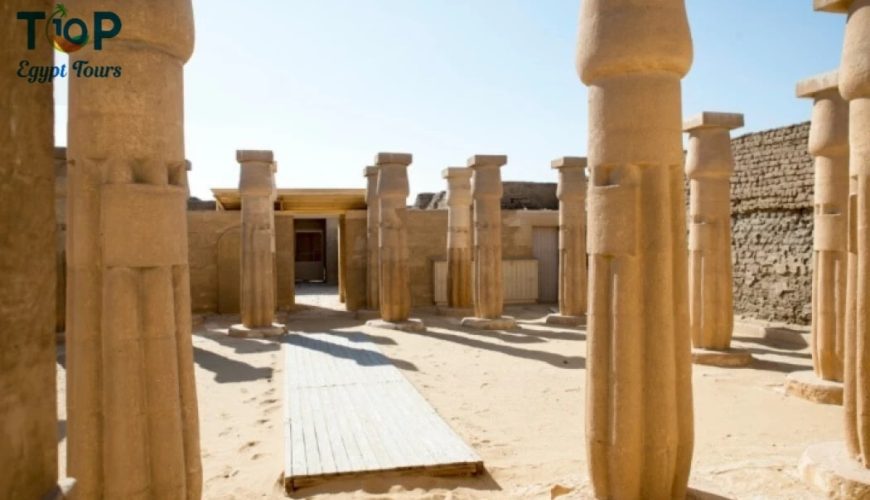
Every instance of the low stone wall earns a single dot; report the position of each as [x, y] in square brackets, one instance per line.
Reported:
[772, 224]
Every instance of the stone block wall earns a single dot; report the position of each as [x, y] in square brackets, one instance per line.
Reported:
[772, 224]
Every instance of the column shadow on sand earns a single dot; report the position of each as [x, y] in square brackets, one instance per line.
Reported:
[228, 370]
[362, 357]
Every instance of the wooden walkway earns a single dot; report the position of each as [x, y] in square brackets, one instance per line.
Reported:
[348, 412]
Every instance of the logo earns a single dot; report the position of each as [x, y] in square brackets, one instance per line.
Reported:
[69, 34]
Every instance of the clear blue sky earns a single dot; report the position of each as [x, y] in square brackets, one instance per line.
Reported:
[326, 84]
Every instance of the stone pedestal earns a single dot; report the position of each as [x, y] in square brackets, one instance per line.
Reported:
[28, 397]
[132, 427]
[257, 293]
[395, 291]
[459, 238]
[806, 384]
[410, 325]
[639, 387]
[572, 242]
[486, 191]
[830, 469]
[372, 252]
[709, 166]
[829, 145]
[854, 85]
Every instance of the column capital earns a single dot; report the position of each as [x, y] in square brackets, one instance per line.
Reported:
[258, 173]
[370, 172]
[815, 85]
[456, 173]
[835, 6]
[711, 119]
[568, 162]
[478, 161]
[253, 155]
[403, 159]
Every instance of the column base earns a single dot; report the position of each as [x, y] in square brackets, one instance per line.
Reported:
[563, 320]
[366, 314]
[410, 325]
[62, 491]
[729, 358]
[503, 323]
[807, 385]
[455, 312]
[260, 332]
[829, 468]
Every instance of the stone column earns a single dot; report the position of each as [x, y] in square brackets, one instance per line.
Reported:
[372, 259]
[133, 429]
[639, 421]
[487, 190]
[572, 241]
[395, 290]
[459, 241]
[28, 396]
[709, 166]
[257, 293]
[844, 471]
[829, 144]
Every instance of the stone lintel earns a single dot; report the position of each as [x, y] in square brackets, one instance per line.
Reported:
[487, 160]
[370, 171]
[253, 155]
[816, 84]
[834, 6]
[394, 159]
[712, 119]
[460, 172]
[568, 162]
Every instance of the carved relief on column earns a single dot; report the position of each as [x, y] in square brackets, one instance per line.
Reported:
[632, 55]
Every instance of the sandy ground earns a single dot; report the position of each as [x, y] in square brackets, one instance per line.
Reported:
[517, 397]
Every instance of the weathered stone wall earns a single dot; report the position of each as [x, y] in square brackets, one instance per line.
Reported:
[772, 223]
[516, 196]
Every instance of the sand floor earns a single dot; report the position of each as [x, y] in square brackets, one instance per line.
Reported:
[517, 397]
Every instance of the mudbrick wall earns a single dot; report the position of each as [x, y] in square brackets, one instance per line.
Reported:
[772, 224]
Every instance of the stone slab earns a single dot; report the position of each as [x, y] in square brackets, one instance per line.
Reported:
[242, 331]
[411, 325]
[562, 320]
[503, 323]
[807, 385]
[828, 468]
[731, 358]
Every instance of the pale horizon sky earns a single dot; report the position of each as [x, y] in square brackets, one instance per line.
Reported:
[327, 84]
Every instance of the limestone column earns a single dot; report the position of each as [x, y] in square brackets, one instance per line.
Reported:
[572, 241]
[395, 290]
[487, 190]
[639, 421]
[709, 166]
[28, 397]
[459, 239]
[133, 428]
[257, 294]
[843, 471]
[372, 218]
[829, 144]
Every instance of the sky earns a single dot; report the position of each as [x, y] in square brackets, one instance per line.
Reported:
[327, 84]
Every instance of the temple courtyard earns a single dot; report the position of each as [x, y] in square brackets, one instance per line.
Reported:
[517, 397]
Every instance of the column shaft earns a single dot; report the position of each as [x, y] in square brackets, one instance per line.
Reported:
[572, 235]
[395, 292]
[486, 190]
[372, 251]
[459, 238]
[639, 403]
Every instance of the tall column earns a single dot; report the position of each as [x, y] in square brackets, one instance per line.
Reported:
[829, 145]
[459, 239]
[257, 294]
[28, 396]
[639, 421]
[844, 471]
[486, 190]
[60, 193]
[372, 221]
[133, 429]
[572, 241]
[709, 166]
[395, 289]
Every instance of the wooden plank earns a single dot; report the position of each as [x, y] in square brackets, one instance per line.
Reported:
[349, 412]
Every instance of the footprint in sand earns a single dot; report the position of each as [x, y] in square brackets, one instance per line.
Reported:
[226, 432]
[263, 421]
[256, 456]
[249, 445]
[268, 402]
